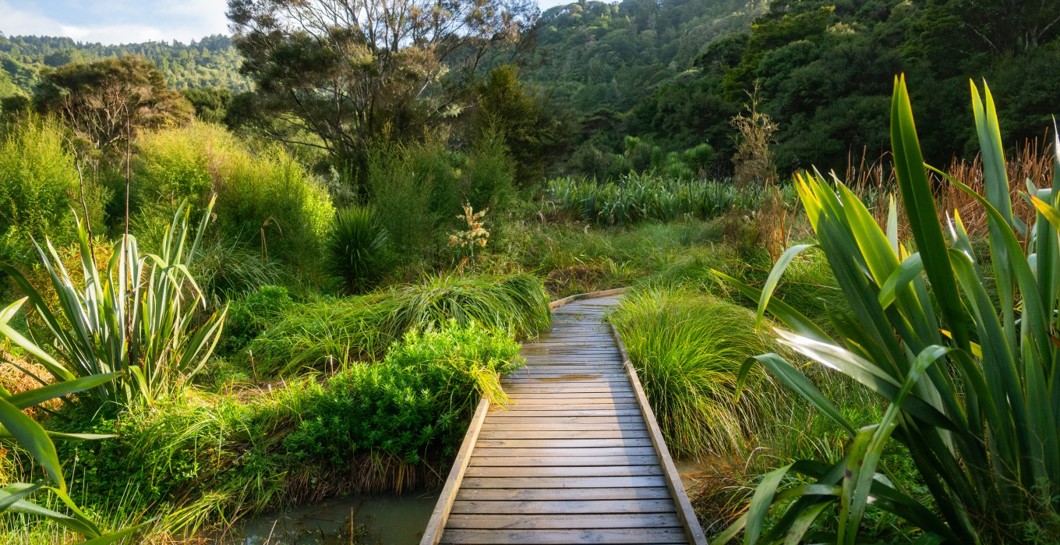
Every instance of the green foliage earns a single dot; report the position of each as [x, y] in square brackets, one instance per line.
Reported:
[211, 104]
[515, 303]
[209, 62]
[642, 197]
[39, 190]
[248, 318]
[31, 437]
[134, 318]
[108, 101]
[687, 348]
[332, 331]
[266, 202]
[968, 376]
[358, 249]
[415, 401]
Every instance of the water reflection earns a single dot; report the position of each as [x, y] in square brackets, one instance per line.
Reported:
[358, 520]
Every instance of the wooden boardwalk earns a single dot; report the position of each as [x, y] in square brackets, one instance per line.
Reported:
[576, 457]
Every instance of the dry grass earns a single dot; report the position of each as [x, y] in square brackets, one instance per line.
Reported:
[874, 181]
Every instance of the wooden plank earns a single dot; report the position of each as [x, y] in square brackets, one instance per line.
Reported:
[531, 522]
[624, 481]
[561, 443]
[551, 424]
[559, 303]
[551, 433]
[643, 536]
[575, 474]
[557, 420]
[569, 452]
[693, 531]
[433, 533]
[482, 461]
[657, 493]
[529, 395]
[553, 413]
[559, 507]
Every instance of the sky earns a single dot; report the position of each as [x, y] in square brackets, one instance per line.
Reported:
[124, 21]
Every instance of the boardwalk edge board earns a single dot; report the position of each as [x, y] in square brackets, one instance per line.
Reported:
[693, 530]
[433, 533]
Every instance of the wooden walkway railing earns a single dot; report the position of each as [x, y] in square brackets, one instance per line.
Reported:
[576, 457]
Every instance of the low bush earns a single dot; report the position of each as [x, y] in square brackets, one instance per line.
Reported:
[248, 318]
[687, 348]
[417, 400]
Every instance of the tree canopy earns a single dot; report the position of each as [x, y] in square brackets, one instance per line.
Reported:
[351, 71]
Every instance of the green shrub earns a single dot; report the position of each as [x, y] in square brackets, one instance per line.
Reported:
[40, 190]
[358, 249]
[416, 401]
[415, 191]
[489, 174]
[266, 201]
[687, 348]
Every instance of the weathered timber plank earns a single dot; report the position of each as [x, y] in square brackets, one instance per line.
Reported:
[551, 413]
[553, 507]
[554, 461]
[559, 443]
[625, 481]
[648, 536]
[573, 473]
[599, 521]
[567, 452]
[472, 494]
[551, 433]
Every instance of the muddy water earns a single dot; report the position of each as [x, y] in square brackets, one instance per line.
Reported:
[382, 520]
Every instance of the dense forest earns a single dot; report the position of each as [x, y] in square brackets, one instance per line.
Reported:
[209, 62]
[256, 272]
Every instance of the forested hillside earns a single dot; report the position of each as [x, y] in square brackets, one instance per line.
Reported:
[209, 62]
[674, 73]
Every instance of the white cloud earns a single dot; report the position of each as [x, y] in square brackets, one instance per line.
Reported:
[105, 22]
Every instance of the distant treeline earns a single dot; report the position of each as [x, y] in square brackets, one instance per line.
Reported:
[205, 63]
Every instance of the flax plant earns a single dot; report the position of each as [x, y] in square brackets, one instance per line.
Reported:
[968, 376]
[138, 318]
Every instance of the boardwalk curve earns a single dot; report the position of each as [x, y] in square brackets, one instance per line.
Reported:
[576, 457]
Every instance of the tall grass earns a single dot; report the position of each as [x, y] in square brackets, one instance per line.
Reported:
[639, 197]
[687, 348]
[968, 377]
[332, 331]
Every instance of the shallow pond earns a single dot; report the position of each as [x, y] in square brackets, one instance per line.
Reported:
[383, 520]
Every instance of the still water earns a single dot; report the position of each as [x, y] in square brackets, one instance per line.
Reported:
[374, 520]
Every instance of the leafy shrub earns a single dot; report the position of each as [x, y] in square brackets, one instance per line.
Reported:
[417, 400]
[39, 189]
[265, 200]
[414, 191]
[358, 249]
[687, 348]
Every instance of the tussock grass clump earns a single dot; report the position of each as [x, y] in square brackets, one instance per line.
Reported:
[687, 348]
[517, 303]
[330, 331]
